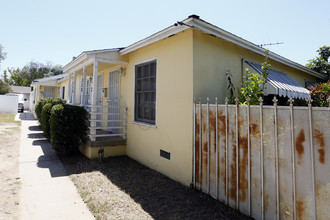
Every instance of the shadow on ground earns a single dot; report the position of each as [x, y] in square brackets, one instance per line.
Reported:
[49, 159]
[158, 195]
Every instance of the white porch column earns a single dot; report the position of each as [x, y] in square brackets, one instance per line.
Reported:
[74, 87]
[94, 101]
[69, 88]
[83, 98]
[94, 92]
[38, 94]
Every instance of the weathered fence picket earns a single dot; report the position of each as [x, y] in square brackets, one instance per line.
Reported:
[268, 162]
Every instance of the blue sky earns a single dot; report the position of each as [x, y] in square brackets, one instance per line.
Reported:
[55, 31]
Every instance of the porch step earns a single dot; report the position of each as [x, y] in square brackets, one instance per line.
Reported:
[107, 141]
[102, 135]
[106, 127]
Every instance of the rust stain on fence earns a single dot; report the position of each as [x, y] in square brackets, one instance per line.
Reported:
[255, 129]
[223, 171]
[266, 201]
[320, 138]
[232, 190]
[300, 209]
[299, 144]
[231, 150]
[197, 150]
[243, 181]
[223, 125]
[213, 125]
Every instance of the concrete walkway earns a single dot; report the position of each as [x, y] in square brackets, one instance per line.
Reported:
[46, 190]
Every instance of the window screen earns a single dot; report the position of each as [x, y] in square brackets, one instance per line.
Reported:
[145, 92]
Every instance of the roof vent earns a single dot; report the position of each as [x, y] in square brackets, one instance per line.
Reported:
[73, 58]
[194, 16]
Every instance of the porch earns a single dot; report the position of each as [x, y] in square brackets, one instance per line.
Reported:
[93, 82]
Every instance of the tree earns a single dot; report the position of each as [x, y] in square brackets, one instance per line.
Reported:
[321, 63]
[4, 87]
[31, 71]
[2, 53]
[55, 70]
[320, 94]
[5, 76]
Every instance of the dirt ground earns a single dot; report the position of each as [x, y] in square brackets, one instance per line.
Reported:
[9, 173]
[121, 188]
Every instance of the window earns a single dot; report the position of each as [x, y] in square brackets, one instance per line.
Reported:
[63, 92]
[145, 92]
[81, 91]
[49, 92]
[72, 92]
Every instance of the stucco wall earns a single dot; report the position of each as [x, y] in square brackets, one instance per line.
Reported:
[214, 56]
[9, 103]
[174, 95]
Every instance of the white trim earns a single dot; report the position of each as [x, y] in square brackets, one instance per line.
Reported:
[105, 60]
[144, 123]
[83, 56]
[145, 61]
[153, 38]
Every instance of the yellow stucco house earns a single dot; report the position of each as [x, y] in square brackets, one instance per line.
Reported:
[140, 97]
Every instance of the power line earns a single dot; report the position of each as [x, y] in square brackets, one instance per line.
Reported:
[270, 44]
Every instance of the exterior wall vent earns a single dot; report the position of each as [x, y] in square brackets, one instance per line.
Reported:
[165, 154]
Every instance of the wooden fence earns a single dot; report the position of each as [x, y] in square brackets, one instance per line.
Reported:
[268, 162]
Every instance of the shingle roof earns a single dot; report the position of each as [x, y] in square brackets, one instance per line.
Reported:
[20, 89]
[284, 85]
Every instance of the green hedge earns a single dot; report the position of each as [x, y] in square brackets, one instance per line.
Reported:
[38, 108]
[44, 119]
[40, 104]
[68, 126]
[43, 109]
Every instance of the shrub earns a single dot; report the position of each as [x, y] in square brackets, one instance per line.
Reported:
[44, 119]
[67, 128]
[38, 108]
[320, 94]
[40, 104]
[4, 87]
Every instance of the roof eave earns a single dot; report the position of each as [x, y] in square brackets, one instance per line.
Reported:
[84, 56]
[156, 37]
[211, 29]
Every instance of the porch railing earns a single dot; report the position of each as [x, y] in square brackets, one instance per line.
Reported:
[107, 121]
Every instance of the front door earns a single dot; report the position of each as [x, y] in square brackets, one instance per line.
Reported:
[113, 100]
[99, 98]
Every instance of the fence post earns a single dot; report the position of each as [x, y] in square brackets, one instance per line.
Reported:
[194, 144]
[262, 160]
[208, 143]
[293, 159]
[216, 147]
[276, 161]
[237, 154]
[249, 155]
[312, 151]
[200, 144]
[226, 109]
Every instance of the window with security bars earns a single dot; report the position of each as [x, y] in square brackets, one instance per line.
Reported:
[145, 92]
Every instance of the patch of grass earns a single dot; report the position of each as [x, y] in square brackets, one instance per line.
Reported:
[7, 117]
[10, 130]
